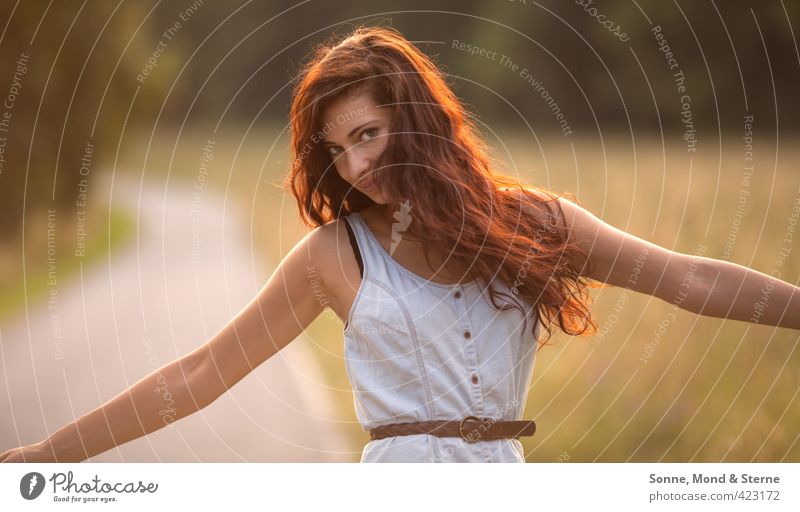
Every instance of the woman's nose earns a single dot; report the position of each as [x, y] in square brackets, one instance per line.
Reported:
[358, 163]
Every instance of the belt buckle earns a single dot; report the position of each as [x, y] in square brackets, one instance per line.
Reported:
[461, 430]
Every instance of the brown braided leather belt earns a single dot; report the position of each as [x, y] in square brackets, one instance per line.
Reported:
[471, 429]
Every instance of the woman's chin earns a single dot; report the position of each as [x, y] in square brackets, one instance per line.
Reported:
[376, 197]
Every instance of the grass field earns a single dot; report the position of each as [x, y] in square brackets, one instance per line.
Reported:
[711, 390]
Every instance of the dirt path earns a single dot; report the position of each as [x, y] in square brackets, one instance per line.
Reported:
[151, 302]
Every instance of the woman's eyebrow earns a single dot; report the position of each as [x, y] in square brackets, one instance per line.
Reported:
[354, 130]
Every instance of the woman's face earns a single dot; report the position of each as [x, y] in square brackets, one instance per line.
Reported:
[357, 130]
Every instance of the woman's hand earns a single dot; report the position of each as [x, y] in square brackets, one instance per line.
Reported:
[30, 453]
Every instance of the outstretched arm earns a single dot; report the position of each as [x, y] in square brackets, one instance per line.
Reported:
[276, 316]
[741, 293]
[692, 282]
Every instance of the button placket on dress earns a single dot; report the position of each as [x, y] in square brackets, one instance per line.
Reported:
[469, 339]
[471, 373]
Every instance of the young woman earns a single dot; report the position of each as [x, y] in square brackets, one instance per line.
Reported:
[443, 271]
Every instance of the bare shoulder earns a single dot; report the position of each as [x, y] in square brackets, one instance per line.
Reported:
[334, 259]
[545, 206]
[526, 194]
[329, 243]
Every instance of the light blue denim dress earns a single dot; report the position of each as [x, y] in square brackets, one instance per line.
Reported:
[416, 350]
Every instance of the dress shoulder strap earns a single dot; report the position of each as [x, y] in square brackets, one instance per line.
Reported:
[354, 245]
[371, 254]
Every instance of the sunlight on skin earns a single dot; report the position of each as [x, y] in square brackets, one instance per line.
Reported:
[359, 128]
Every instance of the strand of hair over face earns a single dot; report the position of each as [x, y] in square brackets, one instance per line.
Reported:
[487, 224]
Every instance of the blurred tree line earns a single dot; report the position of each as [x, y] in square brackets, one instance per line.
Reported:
[97, 69]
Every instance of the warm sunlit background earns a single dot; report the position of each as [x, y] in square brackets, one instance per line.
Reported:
[142, 148]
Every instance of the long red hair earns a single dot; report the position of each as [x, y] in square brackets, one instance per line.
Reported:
[436, 159]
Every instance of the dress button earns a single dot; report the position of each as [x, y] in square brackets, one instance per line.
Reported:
[457, 295]
[467, 334]
[474, 379]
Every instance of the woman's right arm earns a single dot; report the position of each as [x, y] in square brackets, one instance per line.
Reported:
[283, 308]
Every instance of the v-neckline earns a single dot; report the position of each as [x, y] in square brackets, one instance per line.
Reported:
[402, 268]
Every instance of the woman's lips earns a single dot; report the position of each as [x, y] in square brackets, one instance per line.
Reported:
[369, 185]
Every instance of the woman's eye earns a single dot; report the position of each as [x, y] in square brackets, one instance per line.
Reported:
[371, 133]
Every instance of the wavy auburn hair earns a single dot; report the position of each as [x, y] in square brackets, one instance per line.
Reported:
[492, 226]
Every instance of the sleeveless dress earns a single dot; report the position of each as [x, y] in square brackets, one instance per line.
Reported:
[416, 350]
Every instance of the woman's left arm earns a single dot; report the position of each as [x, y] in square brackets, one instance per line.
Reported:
[741, 293]
[702, 285]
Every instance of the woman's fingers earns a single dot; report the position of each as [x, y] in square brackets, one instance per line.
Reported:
[22, 454]
[8, 455]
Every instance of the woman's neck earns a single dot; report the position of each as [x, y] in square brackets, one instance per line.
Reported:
[385, 213]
